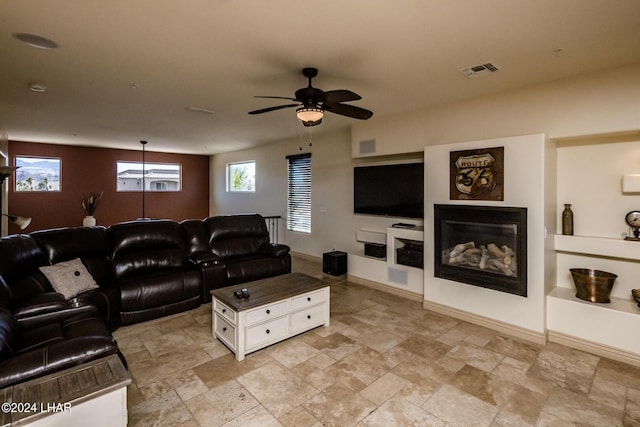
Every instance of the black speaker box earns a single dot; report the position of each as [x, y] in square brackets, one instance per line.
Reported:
[378, 250]
[410, 257]
[334, 263]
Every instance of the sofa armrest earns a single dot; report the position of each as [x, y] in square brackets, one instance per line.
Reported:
[274, 249]
[30, 322]
[202, 258]
[213, 270]
[44, 303]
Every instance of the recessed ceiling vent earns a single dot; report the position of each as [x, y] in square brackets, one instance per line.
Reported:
[480, 70]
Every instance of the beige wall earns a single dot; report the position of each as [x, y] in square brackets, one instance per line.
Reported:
[594, 104]
[332, 194]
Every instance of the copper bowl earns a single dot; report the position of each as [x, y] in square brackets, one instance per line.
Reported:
[593, 285]
[635, 293]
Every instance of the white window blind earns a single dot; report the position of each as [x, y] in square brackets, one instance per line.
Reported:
[299, 193]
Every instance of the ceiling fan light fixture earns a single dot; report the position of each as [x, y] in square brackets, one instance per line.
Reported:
[310, 115]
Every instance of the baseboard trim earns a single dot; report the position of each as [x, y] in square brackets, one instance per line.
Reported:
[385, 288]
[595, 348]
[496, 325]
[306, 257]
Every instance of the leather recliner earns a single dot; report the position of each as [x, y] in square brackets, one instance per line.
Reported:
[27, 353]
[242, 243]
[151, 270]
[88, 244]
[24, 290]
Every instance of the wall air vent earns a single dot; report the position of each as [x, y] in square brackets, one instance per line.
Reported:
[480, 70]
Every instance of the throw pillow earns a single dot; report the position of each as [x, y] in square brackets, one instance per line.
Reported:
[69, 277]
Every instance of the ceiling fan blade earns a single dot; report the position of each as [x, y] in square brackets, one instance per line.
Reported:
[341, 95]
[348, 110]
[266, 110]
[277, 97]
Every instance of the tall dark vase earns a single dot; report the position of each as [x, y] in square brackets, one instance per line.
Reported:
[567, 220]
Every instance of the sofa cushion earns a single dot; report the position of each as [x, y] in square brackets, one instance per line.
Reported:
[20, 254]
[69, 278]
[241, 270]
[195, 236]
[154, 290]
[237, 235]
[20, 257]
[86, 243]
[140, 247]
[63, 244]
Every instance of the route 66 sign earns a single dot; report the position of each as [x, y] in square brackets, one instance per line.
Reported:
[477, 174]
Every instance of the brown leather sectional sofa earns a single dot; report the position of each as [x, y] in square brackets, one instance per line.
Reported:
[140, 270]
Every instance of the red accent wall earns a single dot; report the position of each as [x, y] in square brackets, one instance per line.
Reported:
[89, 169]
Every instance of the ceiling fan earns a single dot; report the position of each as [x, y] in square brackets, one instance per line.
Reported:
[313, 102]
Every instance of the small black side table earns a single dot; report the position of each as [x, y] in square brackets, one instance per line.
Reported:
[334, 263]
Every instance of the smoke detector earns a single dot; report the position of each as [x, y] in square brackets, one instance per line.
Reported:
[476, 71]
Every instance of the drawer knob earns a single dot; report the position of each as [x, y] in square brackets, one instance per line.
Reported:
[308, 298]
[224, 310]
[224, 329]
[268, 311]
[309, 316]
[268, 331]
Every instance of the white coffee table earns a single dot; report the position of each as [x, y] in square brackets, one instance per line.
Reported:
[277, 308]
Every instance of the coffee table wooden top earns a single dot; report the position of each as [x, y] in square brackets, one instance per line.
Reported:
[268, 290]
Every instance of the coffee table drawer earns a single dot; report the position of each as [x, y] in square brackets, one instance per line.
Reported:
[307, 300]
[226, 312]
[225, 331]
[264, 333]
[266, 312]
[308, 318]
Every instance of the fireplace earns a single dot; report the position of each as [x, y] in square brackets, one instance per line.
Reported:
[482, 245]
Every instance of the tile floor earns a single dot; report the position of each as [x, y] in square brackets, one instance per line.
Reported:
[384, 361]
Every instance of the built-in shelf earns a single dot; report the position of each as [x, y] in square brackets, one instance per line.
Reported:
[598, 246]
[594, 327]
[591, 326]
[624, 305]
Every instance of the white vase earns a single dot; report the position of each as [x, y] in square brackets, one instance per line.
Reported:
[88, 221]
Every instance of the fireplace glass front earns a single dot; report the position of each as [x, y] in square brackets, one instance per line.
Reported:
[482, 245]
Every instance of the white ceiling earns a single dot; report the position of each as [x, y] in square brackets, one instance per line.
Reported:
[127, 69]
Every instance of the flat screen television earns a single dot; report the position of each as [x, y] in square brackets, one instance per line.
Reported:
[395, 190]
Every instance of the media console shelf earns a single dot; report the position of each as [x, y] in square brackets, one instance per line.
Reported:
[407, 280]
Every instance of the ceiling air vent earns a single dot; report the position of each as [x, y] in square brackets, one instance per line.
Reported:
[480, 70]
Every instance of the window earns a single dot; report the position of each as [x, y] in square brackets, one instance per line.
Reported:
[38, 174]
[156, 177]
[299, 193]
[241, 176]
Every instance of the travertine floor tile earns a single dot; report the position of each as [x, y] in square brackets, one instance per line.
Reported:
[400, 412]
[221, 404]
[164, 410]
[474, 355]
[339, 406]
[458, 408]
[383, 361]
[384, 388]
[278, 389]
[580, 410]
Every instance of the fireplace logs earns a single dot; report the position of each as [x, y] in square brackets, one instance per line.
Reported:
[491, 257]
